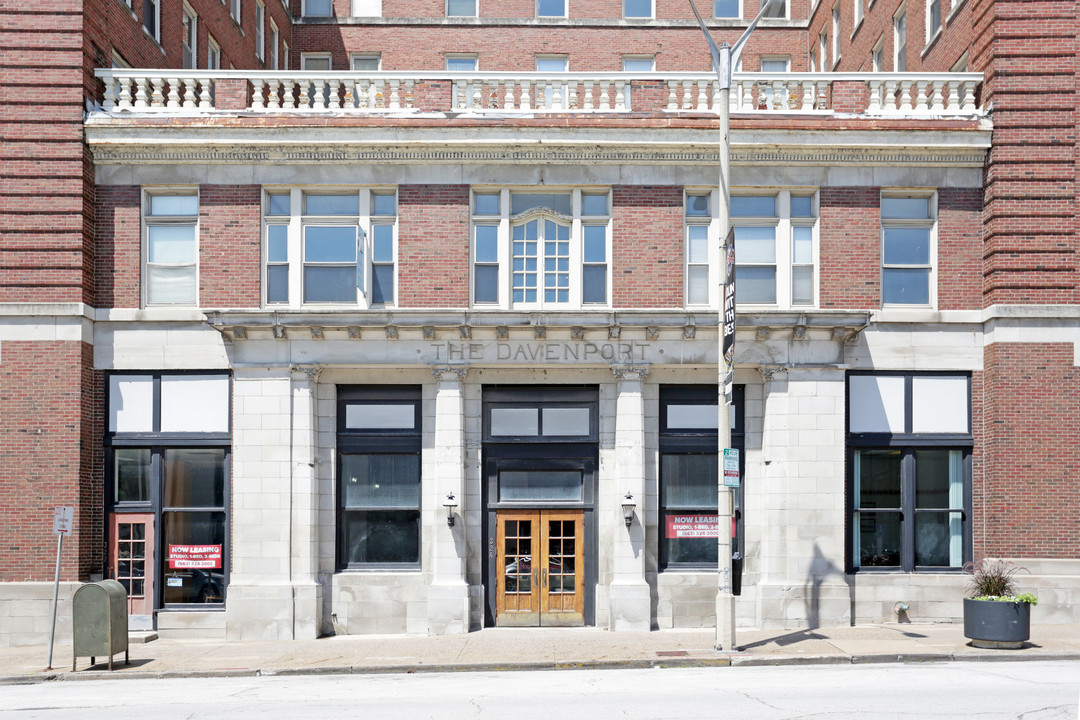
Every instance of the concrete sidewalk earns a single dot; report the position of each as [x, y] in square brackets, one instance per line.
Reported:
[539, 648]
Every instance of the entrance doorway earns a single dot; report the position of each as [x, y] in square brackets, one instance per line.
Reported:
[133, 562]
[540, 568]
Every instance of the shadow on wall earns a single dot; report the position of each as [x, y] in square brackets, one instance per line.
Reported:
[820, 569]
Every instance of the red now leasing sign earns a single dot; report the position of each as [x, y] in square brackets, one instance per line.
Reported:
[693, 526]
[194, 556]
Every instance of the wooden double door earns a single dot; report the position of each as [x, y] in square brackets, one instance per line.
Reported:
[540, 568]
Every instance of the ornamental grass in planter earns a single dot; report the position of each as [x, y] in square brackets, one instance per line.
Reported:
[995, 616]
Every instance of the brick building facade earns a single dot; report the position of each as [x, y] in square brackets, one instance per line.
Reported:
[280, 278]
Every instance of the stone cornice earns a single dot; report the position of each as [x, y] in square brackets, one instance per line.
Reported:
[245, 154]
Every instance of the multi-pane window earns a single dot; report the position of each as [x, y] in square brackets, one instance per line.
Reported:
[726, 9]
[330, 246]
[689, 474]
[171, 248]
[698, 248]
[260, 30]
[775, 248]
[379, 445]
[549, 249]
[933, 19]
[637, 8]
[460, 8]
[189, 37]
[551, 8]
[151, 18]
[907, 249]
[909, 456]
[900, 41]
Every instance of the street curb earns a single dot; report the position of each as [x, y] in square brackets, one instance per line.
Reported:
[643, 664]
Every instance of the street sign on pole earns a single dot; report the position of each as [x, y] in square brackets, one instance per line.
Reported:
[63, 519]
[731, 468]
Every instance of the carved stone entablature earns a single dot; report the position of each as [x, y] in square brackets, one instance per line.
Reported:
[632, 373]
[769, 372]
[309, 372]
[450, 373]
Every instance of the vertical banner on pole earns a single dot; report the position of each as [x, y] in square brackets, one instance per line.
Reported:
[728, 323]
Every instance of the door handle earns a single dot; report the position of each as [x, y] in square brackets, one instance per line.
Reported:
[543, 573]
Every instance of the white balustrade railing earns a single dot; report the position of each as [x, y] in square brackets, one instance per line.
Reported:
[198, 91]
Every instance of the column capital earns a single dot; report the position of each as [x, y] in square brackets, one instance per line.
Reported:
[637, 372]
[310, 372]
[444, 373]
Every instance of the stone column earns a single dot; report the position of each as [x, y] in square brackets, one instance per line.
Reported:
[629, 596]
[448, 595]
[304, 537]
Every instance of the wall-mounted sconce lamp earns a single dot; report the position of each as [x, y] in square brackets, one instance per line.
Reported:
[628, 506]
[450, 503]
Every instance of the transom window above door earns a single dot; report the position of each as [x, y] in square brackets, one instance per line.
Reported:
[547, 249]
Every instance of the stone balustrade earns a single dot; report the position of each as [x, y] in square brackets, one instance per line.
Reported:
[478, 93]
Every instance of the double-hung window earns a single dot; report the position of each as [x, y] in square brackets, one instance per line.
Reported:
[909, 470]
[379, 446]
[275, 39]
[699, 248]
[637, 8]
[189, 36]
[907, 249]
[171, 248]
[857, 16]
[460, 8]
[330, 247]
[234, 10]
[689, 474]
[933, 19]
[547, 250]
[260, 31]
[213, 53]
[900, 40]
[151, 18]
[836, 33]
[775, 248]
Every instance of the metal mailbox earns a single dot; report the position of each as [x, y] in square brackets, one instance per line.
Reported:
[99, 621]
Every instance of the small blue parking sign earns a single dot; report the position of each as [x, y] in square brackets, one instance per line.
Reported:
[731, 468]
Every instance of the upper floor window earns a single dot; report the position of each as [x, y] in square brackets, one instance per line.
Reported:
[365, 61]
[637, 8]
[877, 56]
[330, 247]
[551, 8]
[726, 9]
[189, 38]
[836, 33]
[900, 40]
[151, 18]
[639, 63]
[933, 19]
[857, 17]
[551, 63]
[823, 50]
[461, 63]
[213, 53]
[170, 248]
[775, 248]
[778, 10]
[909, 470]
[541, 249]
[460, 8]
[699, 248]
[317, 8]
[234, 10]
[275, 40]
[260, 31]
[907, 249]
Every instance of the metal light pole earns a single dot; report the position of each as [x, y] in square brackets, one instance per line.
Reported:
[724, 59]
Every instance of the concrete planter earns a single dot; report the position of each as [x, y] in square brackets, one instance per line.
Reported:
[993, 624]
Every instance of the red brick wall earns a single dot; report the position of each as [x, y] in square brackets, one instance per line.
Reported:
[229, 246]
[959, 253]
[1028, 502]
[513, 47]
[433, 246]
[117, 258]
[647, 246]
[1030, 230]
[50, 456]
[850, 247]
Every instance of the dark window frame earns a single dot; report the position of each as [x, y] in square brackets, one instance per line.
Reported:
[158, 443]
[908, 443]
[691, 441]
[375, 441]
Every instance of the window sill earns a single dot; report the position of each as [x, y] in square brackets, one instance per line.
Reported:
[954, 10]
[930, 43]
